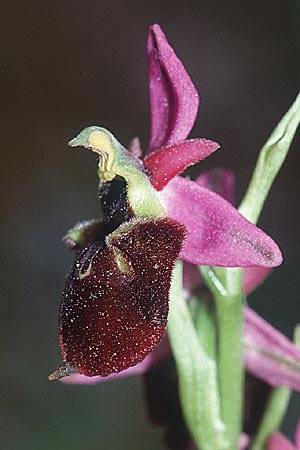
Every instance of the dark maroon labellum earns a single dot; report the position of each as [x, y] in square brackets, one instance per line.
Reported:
[115, 302]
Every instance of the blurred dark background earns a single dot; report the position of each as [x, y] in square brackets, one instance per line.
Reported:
[69, 64]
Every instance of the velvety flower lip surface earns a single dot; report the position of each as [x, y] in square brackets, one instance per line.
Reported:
[115, 302]
[166, 162]
[161, 352]
[218, 234]
[174, 99]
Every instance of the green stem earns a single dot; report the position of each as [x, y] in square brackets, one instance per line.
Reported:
[202, 310]
[273, 416]
[197, 377]
[226, 287]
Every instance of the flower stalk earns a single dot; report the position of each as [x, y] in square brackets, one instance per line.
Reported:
[227, 284]
[273, 416]
[227, 290]
[197, 375]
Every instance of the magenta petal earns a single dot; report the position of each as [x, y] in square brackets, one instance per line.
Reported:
[279, 442]
[221, 181]
[253, 277]
[135, 147]
[218, 234]
[270, 356]
[167, 162]
[174, 100]
[244, 441]
[161, 352]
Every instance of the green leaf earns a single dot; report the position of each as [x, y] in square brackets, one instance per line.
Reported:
[269, 162]
[196, 373]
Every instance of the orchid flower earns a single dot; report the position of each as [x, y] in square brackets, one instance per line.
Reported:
[268, 354]
[158, 233]
[208, 230]
[120, 280]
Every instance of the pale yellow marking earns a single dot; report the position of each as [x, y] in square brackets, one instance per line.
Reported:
[100, 140]
[88, 270]
[87, 273]
[100, 143]
[123, 265]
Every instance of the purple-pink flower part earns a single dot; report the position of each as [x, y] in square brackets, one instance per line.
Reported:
[222, 182]
[166, 162]
[174, 99]
[218, 234]
[279, 442]
[269, 354]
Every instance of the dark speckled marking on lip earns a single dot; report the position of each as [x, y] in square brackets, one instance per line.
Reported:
[109, 319]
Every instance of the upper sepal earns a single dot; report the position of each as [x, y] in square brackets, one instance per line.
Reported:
[115, 302]
[174, 100]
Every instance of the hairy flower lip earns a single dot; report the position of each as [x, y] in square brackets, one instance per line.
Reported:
[115, 302]
[161, 352]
